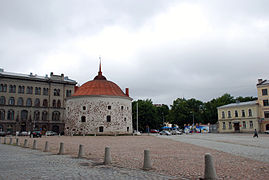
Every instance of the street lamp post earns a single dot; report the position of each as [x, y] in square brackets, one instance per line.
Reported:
[137, 117]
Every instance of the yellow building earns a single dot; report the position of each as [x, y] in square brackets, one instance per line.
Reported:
[263, 98]
[246, 116]
[239, 117]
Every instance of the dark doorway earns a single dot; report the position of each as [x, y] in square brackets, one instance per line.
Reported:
[267, 127]
[55, 129]
[236, 127]
[23, 127]
[101, 129]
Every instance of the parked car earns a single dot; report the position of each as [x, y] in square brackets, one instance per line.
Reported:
[36, 134]
[51, 133]
[165, 133]
[23, 133]
[154, 131]
[176, 132]
[2, 133]
[266, 132]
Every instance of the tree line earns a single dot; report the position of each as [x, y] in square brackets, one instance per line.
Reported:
[182, 111]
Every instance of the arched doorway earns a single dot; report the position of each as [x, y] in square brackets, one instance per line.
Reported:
[55, 129]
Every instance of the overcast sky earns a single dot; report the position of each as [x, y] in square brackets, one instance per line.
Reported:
[160, 49]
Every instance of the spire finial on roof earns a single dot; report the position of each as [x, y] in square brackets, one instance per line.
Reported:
[100, 70]
[100, 76]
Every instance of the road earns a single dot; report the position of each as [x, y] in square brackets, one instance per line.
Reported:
[238, 144]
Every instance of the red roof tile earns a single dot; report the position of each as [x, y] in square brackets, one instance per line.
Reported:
[99, 87]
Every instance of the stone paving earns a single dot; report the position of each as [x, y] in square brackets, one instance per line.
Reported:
[19, 163]
[238, 144]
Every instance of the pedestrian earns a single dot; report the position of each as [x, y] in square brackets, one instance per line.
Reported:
[255, 134]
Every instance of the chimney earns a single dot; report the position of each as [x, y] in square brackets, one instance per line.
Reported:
[127, 91]
[259, 81]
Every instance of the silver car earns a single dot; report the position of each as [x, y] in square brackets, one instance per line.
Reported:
[165, 133]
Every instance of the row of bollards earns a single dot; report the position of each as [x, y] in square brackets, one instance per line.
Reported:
[209, 174]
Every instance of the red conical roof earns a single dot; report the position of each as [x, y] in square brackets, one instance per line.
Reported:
[99, 86]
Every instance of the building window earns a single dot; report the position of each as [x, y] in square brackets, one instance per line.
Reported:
[29, 102]
[2, 100]
[36, 115]
[24, 115]
[235, 113]
[44, 115]
[128, 129]
[243, 113]
[2, 114]
[83, 119]
[37, 102]
[45, 103]
[21, 90]
[229, 114]
[45, 91]
[249, 112]
[68, 93]
[3, 88]
[125, 119]
[29, 90]
[84, 108]
[223, 125]
[101, 129]
[12, 88]
[264, 92]
[56, 92]
[244, 125]
[223, 115]
[121, 107]
[56, 116]
[54, 103]
[37, 90]
[266, 114]
[20, 101]
[109, 107]
[11, 101]
[265, 103]
[251, 124]
[58, 104]
[230, 125]
[10, 115]
[108, 118]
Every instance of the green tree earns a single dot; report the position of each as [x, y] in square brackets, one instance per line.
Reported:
[147, 115]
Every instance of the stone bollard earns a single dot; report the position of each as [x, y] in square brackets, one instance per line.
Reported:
[71, 134]
[147, 163]
[81, 151]
[46, 149]
[107, 159]
[210, 172]
[5, 140]
[10, 141]
[34, 144]
[61, 150]
[17, 141]
[25, 143]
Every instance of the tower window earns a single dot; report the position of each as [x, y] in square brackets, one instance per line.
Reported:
[83, 119]
[108, 107]
[108, 119]
[84, 108]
